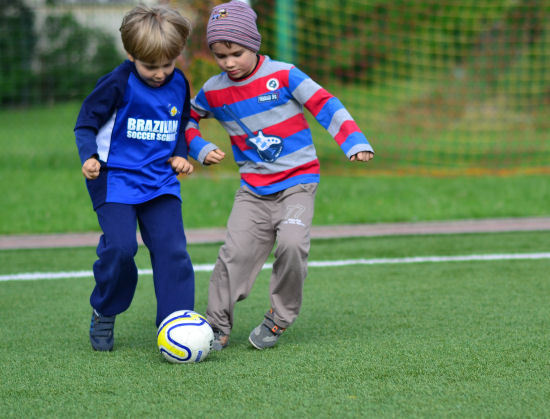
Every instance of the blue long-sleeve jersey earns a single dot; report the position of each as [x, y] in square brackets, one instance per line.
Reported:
[133, 129]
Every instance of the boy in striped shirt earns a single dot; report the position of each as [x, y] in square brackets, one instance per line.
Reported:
[260, 103]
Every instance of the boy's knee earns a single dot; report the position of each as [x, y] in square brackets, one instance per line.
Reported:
[238, 255]
[232, 254]
[123, 252]
[169, 246]
[292, 244]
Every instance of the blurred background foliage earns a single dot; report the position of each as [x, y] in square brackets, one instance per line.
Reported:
[437, 85]
[61, 61]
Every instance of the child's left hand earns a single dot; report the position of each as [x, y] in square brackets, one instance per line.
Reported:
[362, 156]
[181, 165]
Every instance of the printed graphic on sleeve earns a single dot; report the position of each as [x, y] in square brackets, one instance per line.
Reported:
[267, 147]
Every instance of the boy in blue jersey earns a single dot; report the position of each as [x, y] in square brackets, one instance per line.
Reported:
[130, 138]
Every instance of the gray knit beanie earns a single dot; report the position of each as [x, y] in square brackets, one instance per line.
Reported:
[234, 22]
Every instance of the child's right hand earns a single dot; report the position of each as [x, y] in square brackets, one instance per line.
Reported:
[214, 157]
[90, 168]
[363, 156]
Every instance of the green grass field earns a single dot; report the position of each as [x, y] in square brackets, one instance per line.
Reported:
[430, 339]
[466, 339]
[462, 339]
[44, 191]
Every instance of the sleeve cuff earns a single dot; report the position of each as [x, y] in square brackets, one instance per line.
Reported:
[204, 152]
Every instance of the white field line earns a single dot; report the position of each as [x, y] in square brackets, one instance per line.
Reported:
[312, 264]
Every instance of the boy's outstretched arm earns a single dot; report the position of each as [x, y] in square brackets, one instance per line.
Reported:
[331, 114]
[362, 156]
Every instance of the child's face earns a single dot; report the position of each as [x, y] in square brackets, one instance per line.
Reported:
[236, 60]
[154, 74]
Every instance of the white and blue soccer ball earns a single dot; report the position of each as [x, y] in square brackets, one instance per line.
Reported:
[185, 337]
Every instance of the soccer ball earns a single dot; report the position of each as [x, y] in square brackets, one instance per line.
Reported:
[185, 337]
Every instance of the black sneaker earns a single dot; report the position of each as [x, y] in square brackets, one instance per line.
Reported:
[102, 332]
[221, 340]
[265, 335]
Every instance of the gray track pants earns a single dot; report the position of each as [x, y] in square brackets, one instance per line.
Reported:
[254, 225]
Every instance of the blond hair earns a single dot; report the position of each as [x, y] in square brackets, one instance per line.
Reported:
[154, 34]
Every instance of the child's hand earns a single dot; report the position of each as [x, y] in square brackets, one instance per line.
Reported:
[362, 156]
[181, 165]
[90, 168]
[214, 157]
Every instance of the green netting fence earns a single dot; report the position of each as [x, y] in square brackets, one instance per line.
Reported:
[450, 86]
[437, 85]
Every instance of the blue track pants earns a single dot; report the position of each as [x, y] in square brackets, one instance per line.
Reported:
[115, 272]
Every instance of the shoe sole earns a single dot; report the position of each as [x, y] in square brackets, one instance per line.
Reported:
[261, 348]
[253, 344]
[102, 350]
[99, 348]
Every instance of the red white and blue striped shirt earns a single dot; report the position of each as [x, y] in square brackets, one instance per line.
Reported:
[269, 103]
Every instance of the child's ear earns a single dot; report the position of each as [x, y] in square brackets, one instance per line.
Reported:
[132, 59]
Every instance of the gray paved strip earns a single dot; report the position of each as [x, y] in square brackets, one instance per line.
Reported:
[215, 235]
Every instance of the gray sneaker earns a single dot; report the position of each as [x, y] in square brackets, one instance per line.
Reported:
[221, 340]
[265, 335]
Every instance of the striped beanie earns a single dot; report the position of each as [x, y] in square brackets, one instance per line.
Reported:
[234, 22]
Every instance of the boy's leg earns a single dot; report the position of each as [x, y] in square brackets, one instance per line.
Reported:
[161, 226]
[249, 241]
[294, 215]
[115, 272]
